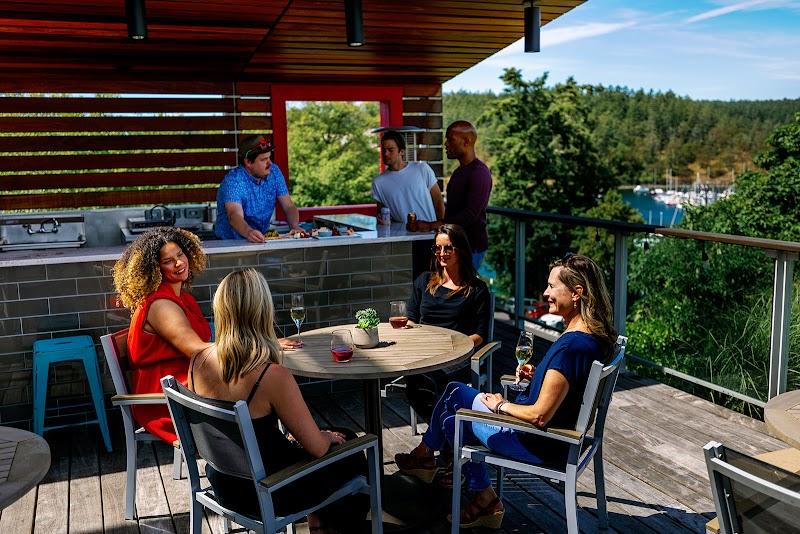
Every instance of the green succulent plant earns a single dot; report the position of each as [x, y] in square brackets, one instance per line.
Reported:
[367, 318]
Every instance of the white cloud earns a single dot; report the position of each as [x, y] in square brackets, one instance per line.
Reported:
[557, 36]
[733, 8]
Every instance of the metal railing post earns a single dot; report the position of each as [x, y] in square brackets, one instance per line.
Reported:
[781, 318]
[519, 273]
[620, 281]
[620, 285]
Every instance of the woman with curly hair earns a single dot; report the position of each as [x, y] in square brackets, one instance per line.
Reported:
[167, 326]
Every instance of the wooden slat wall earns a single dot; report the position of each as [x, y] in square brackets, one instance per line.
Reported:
[56, 151]
[422, 107]
[92, 148]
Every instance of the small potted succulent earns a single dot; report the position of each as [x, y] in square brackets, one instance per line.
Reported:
[365, 334]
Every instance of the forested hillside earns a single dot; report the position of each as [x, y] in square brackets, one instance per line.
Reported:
[640, 134]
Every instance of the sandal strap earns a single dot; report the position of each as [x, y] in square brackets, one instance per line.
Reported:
[474, 510]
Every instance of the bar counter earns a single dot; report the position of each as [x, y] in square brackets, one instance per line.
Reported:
[63, 292]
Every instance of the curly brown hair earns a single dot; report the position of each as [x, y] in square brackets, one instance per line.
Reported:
[138, 272]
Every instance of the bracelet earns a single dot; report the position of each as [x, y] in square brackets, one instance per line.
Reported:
[499, 407]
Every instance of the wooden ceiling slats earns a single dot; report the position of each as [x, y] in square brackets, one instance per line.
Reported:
[287, 41]
[55, 163]
[76, 143]
[23, 182]
[111, 198]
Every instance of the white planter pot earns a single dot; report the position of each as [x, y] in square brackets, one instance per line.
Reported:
[365, 338]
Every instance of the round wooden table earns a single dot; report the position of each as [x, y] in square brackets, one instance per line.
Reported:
[24, 460]
[402, 351]
[782, 415]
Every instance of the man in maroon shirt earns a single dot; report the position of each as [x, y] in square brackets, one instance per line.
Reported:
[468, 189]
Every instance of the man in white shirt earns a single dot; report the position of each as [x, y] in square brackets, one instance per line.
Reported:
[406, 186]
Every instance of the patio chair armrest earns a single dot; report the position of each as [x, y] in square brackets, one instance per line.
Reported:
[509, 421]
[138, 398]
[507, 380]
[300, 469]
[485, 351]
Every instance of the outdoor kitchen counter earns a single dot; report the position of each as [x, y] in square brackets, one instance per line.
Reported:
[70, 291]
[384, 234]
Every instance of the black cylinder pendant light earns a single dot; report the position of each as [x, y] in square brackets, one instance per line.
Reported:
[137, 22]
[533, 24]
[354, 22]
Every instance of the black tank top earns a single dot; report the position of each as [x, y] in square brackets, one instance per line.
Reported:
[268, 434]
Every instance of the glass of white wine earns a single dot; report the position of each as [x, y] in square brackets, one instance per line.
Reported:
[298, 313]
[523, 353]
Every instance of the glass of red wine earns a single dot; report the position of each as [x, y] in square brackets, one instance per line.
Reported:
[398, 316]
[341, 346]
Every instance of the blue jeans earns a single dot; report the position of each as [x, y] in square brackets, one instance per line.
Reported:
[442, 430]
[477, 259]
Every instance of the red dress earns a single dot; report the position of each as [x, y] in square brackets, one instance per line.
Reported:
[151, 357]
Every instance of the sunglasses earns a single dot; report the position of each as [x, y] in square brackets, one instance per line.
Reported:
[264, 144]
[446, 249]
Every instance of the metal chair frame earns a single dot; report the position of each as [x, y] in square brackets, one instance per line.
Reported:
[265, 483]
[115, 347]
[721, 473]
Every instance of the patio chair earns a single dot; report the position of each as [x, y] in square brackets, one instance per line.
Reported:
[115, 347]
[584, 445]
[477, 379]
[751, 495]
[222, 434]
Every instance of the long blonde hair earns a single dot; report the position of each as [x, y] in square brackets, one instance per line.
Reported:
[243, 316]
[595, 303]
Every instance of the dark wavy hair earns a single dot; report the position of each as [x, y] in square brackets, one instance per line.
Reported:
[466, 271]
[595, 303]
[138, 272]
[397, 137]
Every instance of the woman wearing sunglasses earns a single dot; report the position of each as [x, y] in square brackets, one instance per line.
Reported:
[452, 296]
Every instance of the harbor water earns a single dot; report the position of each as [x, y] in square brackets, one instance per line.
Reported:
[653, 211]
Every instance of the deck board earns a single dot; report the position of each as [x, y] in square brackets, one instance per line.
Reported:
[655, 474]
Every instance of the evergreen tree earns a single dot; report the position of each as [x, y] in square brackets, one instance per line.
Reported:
[545, 159]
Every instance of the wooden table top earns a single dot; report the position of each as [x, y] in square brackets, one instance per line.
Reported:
[782, 415]
[402, 351]
[24, 460]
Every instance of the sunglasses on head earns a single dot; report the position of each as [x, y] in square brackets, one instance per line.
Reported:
[446, 249]
[264, 144]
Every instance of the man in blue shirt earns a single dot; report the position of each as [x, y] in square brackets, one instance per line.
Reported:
[247, 195]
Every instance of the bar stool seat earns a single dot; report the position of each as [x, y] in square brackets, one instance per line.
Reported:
[47, 351]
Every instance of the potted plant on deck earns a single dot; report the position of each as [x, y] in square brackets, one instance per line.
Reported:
[365, 335]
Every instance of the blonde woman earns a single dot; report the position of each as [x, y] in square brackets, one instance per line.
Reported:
[244, 364]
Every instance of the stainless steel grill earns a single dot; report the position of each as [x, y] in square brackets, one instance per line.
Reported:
[42, 232]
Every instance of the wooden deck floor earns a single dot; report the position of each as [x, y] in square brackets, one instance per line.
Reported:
[656, 477]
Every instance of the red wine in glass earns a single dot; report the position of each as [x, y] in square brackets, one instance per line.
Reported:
[342, 353]
[398, 322]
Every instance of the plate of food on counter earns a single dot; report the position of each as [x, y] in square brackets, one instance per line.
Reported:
[322, 232]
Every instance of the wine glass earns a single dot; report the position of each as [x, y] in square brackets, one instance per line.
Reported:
[398, 317]
[341, 346]
[523, 353]
[298, 313]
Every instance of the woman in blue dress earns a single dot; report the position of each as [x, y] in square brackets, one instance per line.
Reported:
[577, 292]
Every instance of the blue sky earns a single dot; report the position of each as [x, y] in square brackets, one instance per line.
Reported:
[705, 49]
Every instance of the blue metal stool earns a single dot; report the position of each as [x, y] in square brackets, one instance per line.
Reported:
[47, 351]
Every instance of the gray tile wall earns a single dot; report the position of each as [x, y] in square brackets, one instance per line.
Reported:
[43, 302]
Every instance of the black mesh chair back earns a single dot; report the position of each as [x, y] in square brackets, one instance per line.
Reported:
[218, 440]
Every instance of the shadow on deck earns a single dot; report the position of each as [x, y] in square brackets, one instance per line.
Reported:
[656, 478]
